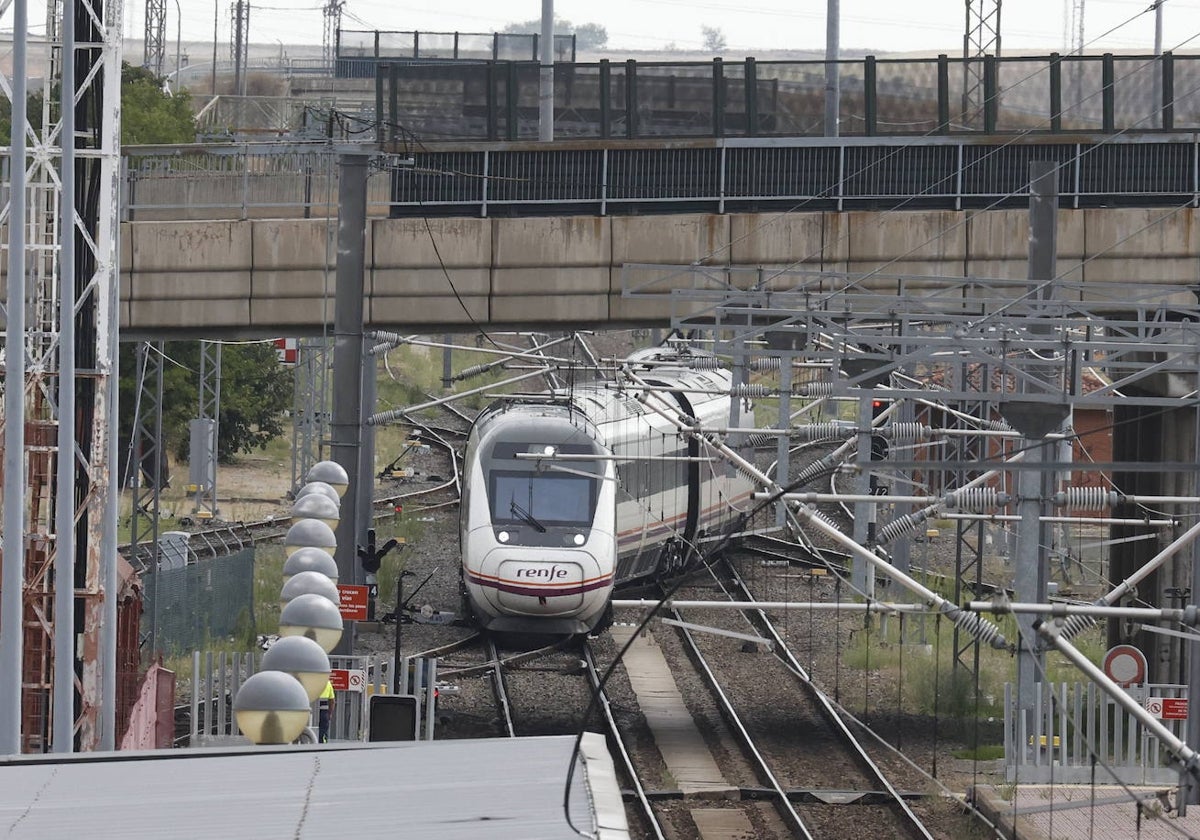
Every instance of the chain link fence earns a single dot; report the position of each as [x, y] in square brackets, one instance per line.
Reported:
[187, 605]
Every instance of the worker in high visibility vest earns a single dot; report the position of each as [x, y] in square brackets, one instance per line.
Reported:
[324, 711]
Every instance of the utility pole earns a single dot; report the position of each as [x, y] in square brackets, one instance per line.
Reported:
[546, 75]
[833, 90]
[241, 44]
[347, 361]
[1035, 421]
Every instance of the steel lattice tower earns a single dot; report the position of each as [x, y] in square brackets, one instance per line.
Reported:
[1073, 26]
[58, 600]
[156, 27]
[333, 22]
[982, 38]
[203, 460]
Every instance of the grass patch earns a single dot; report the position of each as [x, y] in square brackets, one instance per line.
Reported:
[984, 752]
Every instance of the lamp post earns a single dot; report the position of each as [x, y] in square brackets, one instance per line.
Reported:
[308, 583]
[178, 39]
[317, 506]
[309, 533]
[271, 707]
[320, 487]
[303, 659]
[313, 616]
[332, 473]
[310, 560]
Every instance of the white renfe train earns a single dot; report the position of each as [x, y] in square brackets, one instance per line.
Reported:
[568, 494]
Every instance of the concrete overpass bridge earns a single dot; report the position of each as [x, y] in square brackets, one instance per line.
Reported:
[239, 241]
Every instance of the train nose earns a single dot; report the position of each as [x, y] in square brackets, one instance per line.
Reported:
[545, 588]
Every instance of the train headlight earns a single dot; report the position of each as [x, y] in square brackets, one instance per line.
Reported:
[580, 539]
[502, 536]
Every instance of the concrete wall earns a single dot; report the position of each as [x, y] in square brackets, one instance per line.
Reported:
[276, 276]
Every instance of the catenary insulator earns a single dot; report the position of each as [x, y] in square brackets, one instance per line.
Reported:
[767, 363]
[750, 389]
[976, 499]
[473, 370]
[996, 426]
[977, 626]
[705, 363]
[814, 389]
[1073, 625]
[391, 337]
[757, 439]
[816, 468]
[906, 432]
[1086, 498]
[900, 526]
[823, 431]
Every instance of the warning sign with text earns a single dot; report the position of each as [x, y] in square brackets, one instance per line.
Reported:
[1167, 708]
[352, 602]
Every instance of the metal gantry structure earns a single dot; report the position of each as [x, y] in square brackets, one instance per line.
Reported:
[981, 39]
[58, 605]
[333, 22]
[154, 36]
[203, 454]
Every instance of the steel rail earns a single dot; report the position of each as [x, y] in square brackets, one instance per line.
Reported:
[593, 675]
[496, 667]
[784, 653]
[730, 714]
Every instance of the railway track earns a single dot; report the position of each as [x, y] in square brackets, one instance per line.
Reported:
[810, 766]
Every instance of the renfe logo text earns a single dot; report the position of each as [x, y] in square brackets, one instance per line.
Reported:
[542, 573]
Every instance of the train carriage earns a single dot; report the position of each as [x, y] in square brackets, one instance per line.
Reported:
[570, 493]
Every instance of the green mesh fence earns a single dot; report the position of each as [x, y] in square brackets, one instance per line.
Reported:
[185, 608]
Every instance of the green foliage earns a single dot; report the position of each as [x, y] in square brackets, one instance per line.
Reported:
[984, 752]
[150, 115]
[588, 36]
[255, 391]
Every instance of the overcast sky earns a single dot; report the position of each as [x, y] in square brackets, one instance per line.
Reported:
[1028, 26]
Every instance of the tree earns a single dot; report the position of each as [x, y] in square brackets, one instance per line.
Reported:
[255, 391]
[714, 38]
[150, 115]
[588, 36]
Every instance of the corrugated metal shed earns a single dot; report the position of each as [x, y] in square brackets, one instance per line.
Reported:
[508, 789]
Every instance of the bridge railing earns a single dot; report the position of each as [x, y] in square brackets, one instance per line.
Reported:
[299, 180]
[237, 181]
[497, 100]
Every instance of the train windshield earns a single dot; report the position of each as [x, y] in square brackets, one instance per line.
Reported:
[541, 499]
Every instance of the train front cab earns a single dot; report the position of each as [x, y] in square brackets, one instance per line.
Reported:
[539, 540]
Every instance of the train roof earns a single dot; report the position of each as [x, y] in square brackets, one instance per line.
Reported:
[514, 791]
[602, 402]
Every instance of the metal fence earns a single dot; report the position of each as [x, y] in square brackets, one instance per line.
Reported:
[733, 175]
[1071, 723]
[217, 677]
[877, 96]
[358, 52]
[237, 181]
[187, 606]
